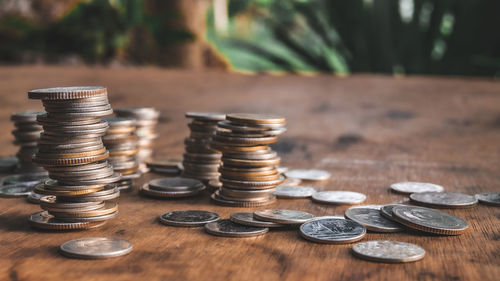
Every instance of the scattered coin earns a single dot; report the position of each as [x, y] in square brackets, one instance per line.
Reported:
[444, 199]
[247, 218]
[228, 228]
[386, 210]
[332, 231]
[189, 218]
[370, 217]
[282, 216]
[388, 251]
[429, 220]
[339, 197]
[298, 191]
[415, 187]
[489, 198]
[308, 175]
[96, 248]
[15, 190]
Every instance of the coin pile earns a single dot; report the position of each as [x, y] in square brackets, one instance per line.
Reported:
[172, 187]
[71, 149]
[121, 142]
[248, 174]
[146, 121]
[200, 160]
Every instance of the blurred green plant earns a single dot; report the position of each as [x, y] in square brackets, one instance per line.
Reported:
[386, 36]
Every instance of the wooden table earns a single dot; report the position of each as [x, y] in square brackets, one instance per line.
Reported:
[368, 131]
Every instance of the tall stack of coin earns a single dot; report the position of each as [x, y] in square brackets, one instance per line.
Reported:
[200, 160]
[146, 120]
[248, 175]
[71, 149]
[122, 142]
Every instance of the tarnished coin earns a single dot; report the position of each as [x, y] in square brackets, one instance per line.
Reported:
[386, 210]
[228, 228]
[247, 218]
[15, 190]
[8, 164]
[489, 198]
[308, 175]
[332, 231]
[189, 218]
[339, 197]
[429, 220]
[298, 191]
[444, 199]
[283, 216]
[370, 217]
[44, 220]
[96, 248]
[388, 251]
[415, 187]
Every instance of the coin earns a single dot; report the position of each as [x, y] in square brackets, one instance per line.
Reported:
[189, 218]
[15, 190]
[44, 220]
[332, 231]
[238, 202]
[370, 217]
[227, 228]
[298, 191]
[444, 199]
[386, 210]
[429, 220]
[489, 198]
[247, 218]
[338, 197]
[255, 118]
[388, 251]
[415, 187]
[67, 93]
[34, 198]
[290, 181]
[96, 248]
[283, 216]
[308, 175]
[211, 116]
[172, 187]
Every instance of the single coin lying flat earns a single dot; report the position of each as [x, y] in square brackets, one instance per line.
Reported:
[228, 228]
[16, 190]
[308, 175]
[388, 251]
[415, 187]
[282, 216]
[297, 191]
[332, 231]
[444, 199]
[370, 217]
[96, 248]
[189, 218]
[339, 197]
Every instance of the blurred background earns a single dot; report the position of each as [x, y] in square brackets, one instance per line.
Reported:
[432, 37]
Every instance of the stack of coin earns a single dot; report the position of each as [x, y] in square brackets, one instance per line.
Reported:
[200, 160]
[146, 120]
[248, 175]
[71, 149]
[121, 142]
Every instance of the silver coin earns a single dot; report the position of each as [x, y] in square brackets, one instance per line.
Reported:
[298, 191]
[444, 199]
[291, 181]
[308, 175]
[96, 248]
[388, 251]
[189, 218]
[386, 210]
[211, 116]
[332, 231]
[34, 198]
[429, 220]
[370, 217]
[174, 184]
[8, 164]
[339, 197]
[489, 198]
[15, 190]
[283, 216]
[415, 187]
[247, 218]
[228, 228]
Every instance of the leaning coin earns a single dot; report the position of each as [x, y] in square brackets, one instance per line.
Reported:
[15, 190]
[189, 218]
[247, 218]
[444, 199]
[298, 191]
[429, 220]
[489, 198]
[339, 197]
[96, 248]
[291, 182]
[386, 211]
[34, 198]
[332, 231]
[415, 187]
[282, 216]
[308, 175]
[228, 228]
[388, 251]
[370, 217]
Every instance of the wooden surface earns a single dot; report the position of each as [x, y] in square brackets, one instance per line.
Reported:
[369, 131]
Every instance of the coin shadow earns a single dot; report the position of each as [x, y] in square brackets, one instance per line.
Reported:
[15, 223]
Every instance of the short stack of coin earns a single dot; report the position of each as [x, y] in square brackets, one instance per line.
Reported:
[71, 149]
[146, 121]
[200, 160]
[122, 144]
[26, 135]
[248, 175]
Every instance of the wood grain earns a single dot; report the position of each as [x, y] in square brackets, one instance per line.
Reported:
[368, 131]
